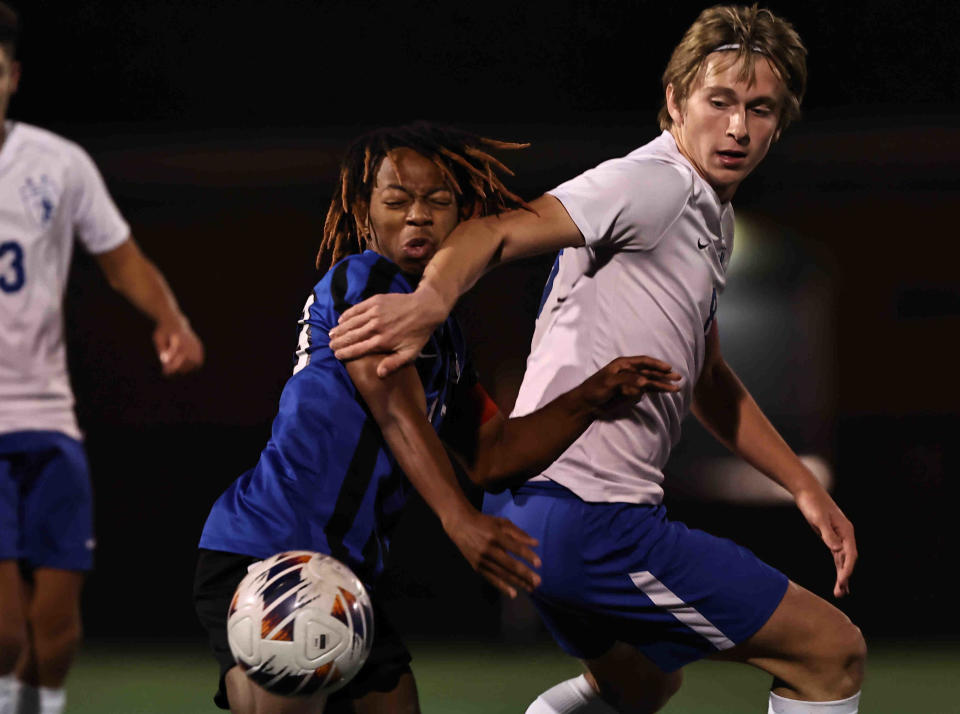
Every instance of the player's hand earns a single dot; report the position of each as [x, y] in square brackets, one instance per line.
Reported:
[178, 347]
[626, 380]
[493, 547]
[397, 324]
[827, 520]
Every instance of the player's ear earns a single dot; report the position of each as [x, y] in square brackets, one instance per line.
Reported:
[673, 108]
[470, 210]
[14, 76]
[362, 217]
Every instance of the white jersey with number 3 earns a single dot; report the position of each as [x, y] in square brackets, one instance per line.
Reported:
[658, 242]
[50, 191]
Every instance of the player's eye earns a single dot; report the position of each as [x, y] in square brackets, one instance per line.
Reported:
[762, 111]
[718, 104]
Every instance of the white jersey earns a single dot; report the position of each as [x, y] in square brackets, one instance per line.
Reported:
[50, 190]
[658, 242]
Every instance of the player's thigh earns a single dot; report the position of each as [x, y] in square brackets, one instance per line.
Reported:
[13, 631]
[402, 699]
[630, 681]
[246, 697]
[802, 630]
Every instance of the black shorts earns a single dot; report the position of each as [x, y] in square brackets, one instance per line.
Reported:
[217, 577]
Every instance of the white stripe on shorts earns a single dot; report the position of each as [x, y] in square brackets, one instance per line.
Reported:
[663, 597]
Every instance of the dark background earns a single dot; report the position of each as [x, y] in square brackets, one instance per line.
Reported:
[218, 127]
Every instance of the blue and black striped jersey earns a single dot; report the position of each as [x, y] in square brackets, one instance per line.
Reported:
[326, 480]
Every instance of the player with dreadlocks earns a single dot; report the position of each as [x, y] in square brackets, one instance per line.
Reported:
[461, 158]
[348, 447]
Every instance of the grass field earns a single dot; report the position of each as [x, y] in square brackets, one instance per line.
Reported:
[470, 679]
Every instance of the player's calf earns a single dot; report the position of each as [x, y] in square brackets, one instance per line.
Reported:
[55, 624]
[630, 682]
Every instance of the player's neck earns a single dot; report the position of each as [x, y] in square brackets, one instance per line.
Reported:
[724, 193]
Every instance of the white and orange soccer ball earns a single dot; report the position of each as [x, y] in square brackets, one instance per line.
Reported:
[300, 623]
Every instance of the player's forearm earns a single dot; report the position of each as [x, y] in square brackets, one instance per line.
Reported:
[477, 245]
[527, 445]
[422, 458]
[135, 277]
[398, 406]
[725, 407]
[149, 292]
[472, 248]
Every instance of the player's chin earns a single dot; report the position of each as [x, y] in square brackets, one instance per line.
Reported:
[415, 266]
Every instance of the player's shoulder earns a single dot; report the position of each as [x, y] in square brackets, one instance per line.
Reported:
[649, 167]
[360, 276]
[31, 136]
[42, 147]
[656, 163]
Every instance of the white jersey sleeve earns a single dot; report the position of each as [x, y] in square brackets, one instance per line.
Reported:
[626, 202]
[96, 219]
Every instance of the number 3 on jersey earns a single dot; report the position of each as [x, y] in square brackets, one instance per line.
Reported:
[11, 267]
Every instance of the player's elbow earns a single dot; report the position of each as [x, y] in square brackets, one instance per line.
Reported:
[482, 477]
[495, 480]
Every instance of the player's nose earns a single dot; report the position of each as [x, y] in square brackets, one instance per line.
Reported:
[419, 213]
[737, 127]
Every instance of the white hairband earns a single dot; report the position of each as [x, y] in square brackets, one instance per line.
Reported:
[736, 46]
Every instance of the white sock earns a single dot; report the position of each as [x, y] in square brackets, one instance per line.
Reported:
[9, 694]
[574, 696]
[781, 705]
[53, 700]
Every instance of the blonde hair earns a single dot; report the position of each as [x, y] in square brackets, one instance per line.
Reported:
[749, 31]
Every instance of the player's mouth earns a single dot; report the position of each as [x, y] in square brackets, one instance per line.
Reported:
[731, 159]
[418, 248]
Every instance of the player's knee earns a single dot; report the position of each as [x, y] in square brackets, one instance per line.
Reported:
[55, 638]
[841, 659]
[854, 659]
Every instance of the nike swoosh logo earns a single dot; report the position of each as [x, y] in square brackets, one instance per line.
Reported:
[700, 245]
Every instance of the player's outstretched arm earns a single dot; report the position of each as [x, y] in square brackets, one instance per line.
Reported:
[492, 546]
[724, 406]
[399, 325]
[131, 274]
[510, 451]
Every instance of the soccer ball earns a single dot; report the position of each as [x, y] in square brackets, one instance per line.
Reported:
[300, 622]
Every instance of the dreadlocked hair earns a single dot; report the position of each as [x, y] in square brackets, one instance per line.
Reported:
[462, 157]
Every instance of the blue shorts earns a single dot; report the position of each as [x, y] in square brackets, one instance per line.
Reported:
[623, 572]
[46, 504]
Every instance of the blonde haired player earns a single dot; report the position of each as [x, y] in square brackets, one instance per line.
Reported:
[645, 242]
[51, 191]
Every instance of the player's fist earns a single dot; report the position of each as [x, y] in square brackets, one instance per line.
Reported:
[178, 347]
[625, 380]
